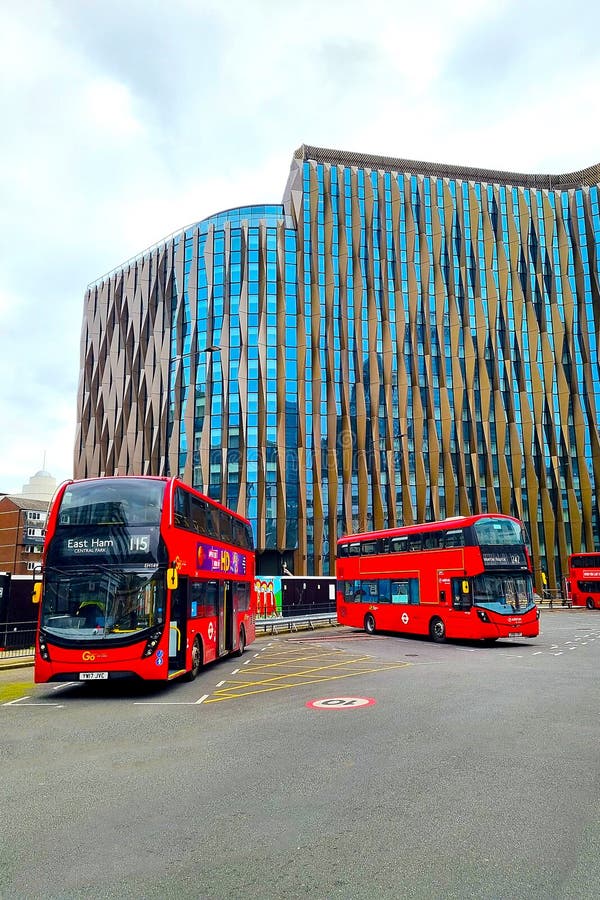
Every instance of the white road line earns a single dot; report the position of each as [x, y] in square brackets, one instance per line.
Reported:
[20, 700]
[235, 671]
[247, 661]
[538, 653]
[560, 653]
[163, 702]
[220, 684]
[202, 699]
[255, 655]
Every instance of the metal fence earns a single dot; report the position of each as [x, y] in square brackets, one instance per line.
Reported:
[17, 639]
[274, 624]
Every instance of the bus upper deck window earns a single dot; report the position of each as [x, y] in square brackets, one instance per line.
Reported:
[368, 548]
[454, 538]
[398, 544]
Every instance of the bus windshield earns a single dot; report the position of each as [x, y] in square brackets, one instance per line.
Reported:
[106, 501]
[503, 592]
[498, 532]
[102, 602]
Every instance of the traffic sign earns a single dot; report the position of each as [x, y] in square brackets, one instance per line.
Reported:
[341, 703]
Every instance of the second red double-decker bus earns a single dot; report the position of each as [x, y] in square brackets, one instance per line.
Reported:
[583, 580]
[144, 577]
[466, 577]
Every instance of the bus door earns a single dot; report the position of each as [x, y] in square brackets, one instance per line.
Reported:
[462, 597]
[178, 625]
[225, 617]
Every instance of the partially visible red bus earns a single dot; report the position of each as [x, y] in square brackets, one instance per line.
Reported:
[465, 577]
[143, 577]
[583, 580]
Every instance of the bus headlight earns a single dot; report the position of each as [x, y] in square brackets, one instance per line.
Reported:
[43, 647]
[483, 615]
[152, 642]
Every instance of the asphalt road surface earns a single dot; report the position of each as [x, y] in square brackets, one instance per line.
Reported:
[430, 770]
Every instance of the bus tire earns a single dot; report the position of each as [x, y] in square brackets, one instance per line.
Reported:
[370, 623]
[242, 643]
[437, 630]
[197, 660]
[590, 603]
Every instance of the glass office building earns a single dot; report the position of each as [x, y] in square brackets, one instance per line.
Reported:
[398, 341]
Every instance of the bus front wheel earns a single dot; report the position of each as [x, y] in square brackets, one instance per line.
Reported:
[370, 623]
[197, 660]
[437, 630]
[242, 643]
[590, 603]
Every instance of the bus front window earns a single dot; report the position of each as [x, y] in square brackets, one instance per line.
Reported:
[492, 532]
[102, 603]
[503, 593]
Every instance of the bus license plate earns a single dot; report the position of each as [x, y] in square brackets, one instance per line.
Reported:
[515, 634]
[92, 676]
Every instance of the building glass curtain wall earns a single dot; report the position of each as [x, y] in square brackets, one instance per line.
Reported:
[398, 342]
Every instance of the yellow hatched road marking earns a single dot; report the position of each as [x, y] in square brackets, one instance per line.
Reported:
[237, 689]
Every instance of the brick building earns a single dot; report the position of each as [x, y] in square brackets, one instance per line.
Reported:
[22, 530]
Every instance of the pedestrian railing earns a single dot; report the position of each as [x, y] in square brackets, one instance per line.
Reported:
[17, 639]
[274, 624]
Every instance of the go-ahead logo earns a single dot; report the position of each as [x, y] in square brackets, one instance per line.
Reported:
[88, 656]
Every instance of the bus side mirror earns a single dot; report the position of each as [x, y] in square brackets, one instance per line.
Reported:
[172, 578]
[37, 592]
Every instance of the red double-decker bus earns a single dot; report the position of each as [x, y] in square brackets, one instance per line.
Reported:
[143, 577]
[583, 580]
[466, 577]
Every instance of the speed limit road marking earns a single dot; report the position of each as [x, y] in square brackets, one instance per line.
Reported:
[341, 703]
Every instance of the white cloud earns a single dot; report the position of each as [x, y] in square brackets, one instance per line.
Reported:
[124, 121]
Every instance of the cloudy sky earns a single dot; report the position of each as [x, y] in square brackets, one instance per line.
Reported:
[125, 120]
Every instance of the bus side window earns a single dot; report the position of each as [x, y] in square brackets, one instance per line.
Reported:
[384, 585]
[368, 548]
[398, 545]
[241, 596]
[181, 509]
[415, 542]
[454, 538]
[347, 588]
[225, 527]
[405, 591]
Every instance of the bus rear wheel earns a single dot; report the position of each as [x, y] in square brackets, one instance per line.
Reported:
[437, 630]
[590, 603]
[242, 643]
[370, 623]
[197, 660]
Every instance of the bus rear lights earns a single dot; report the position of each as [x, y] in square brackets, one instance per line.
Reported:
[43, 648]
[152, 642]
[483, 615]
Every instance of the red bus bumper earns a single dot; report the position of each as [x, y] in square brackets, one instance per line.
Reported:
[100, 664]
